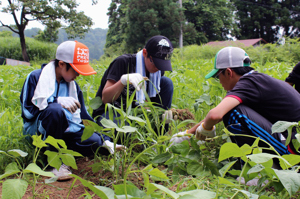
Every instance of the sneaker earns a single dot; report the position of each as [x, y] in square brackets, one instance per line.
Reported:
[63, 173]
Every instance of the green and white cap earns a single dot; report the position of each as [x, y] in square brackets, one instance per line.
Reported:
[229, 57]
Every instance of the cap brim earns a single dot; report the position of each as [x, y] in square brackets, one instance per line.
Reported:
[161, 64]
[83, 69]
[212, 73]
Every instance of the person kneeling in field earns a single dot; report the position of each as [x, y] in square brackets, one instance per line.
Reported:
[132, 70]
[53, 105]
[253, 103]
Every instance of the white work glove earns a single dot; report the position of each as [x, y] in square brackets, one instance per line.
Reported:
[69, 103]
[202, 131]
[134, 79]
[110, 146]
[167, 116]
[179, 137]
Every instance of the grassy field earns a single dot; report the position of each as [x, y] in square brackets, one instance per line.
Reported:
[191, 91]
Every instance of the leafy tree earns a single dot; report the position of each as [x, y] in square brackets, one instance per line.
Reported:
[116, 29]
[47, 12]
[147, 18]
[212, 20]
[289, 17]
[50, 34]
[132, 22]
[257, 19]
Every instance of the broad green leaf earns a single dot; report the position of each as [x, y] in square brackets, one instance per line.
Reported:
[194, 168]
[126, 129]
[246, 149]
[148, 168]
[225, 168]
[68, 151]
[292, 159]
[140, 121]
[108, 192]
[3, 152]
[69, 160]
[229, 150]
[108, 123]
[11, 169]
[88, 131]
[256, 169]
[264, 157]
[161, 158]
[96, 102]
[225, 181]
[33, 168]
[14, 188]
[17, 153]
[166, 190]
[282, 126]
[54, 142]
[131, 190]
[182, 148]
[102, 192]
[289, 179]
[158, 174]
[194, 155]
[211, 166]
[53, 159]
[38, 142]
[248, 194]
[197, 193]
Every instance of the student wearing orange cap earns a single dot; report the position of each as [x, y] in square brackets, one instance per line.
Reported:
[53, 105]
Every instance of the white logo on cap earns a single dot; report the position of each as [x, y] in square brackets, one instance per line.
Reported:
[83, 55]
[164, 42]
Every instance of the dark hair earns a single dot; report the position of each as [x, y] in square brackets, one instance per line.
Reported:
[242, 70]
[56, 64]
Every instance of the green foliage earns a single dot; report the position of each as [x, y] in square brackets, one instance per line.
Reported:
[212, 20]
[49, 13]
[37, 50]
[50, 34]
[5, 33]
[133, 22]
[192, 170]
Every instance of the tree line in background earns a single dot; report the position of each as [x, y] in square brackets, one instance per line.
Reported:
[94, 39]
[132, 22]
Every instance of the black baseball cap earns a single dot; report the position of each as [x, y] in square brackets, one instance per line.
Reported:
[160, 49]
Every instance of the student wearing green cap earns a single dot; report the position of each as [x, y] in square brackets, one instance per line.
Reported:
[253, 103]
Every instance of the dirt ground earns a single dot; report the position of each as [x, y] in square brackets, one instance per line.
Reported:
[64, 188]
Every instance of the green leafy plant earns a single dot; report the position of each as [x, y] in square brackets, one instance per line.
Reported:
[16, 188]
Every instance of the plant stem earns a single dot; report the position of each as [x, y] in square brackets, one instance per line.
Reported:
[130, 165]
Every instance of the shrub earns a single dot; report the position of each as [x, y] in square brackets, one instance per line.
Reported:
[37, 50]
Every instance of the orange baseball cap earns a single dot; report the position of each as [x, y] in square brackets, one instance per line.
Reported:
[77, 55]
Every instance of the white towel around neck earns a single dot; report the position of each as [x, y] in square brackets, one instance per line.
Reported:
[153, 84]
[46, 87]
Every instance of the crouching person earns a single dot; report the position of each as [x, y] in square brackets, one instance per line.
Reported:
[53, 105]
[253, 103]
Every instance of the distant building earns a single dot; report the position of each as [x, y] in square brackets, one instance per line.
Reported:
[12, 62]
[239, 43]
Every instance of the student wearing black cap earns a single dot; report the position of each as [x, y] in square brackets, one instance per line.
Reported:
[132, 69]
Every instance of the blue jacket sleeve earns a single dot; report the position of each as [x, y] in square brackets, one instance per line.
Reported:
[29, 110]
